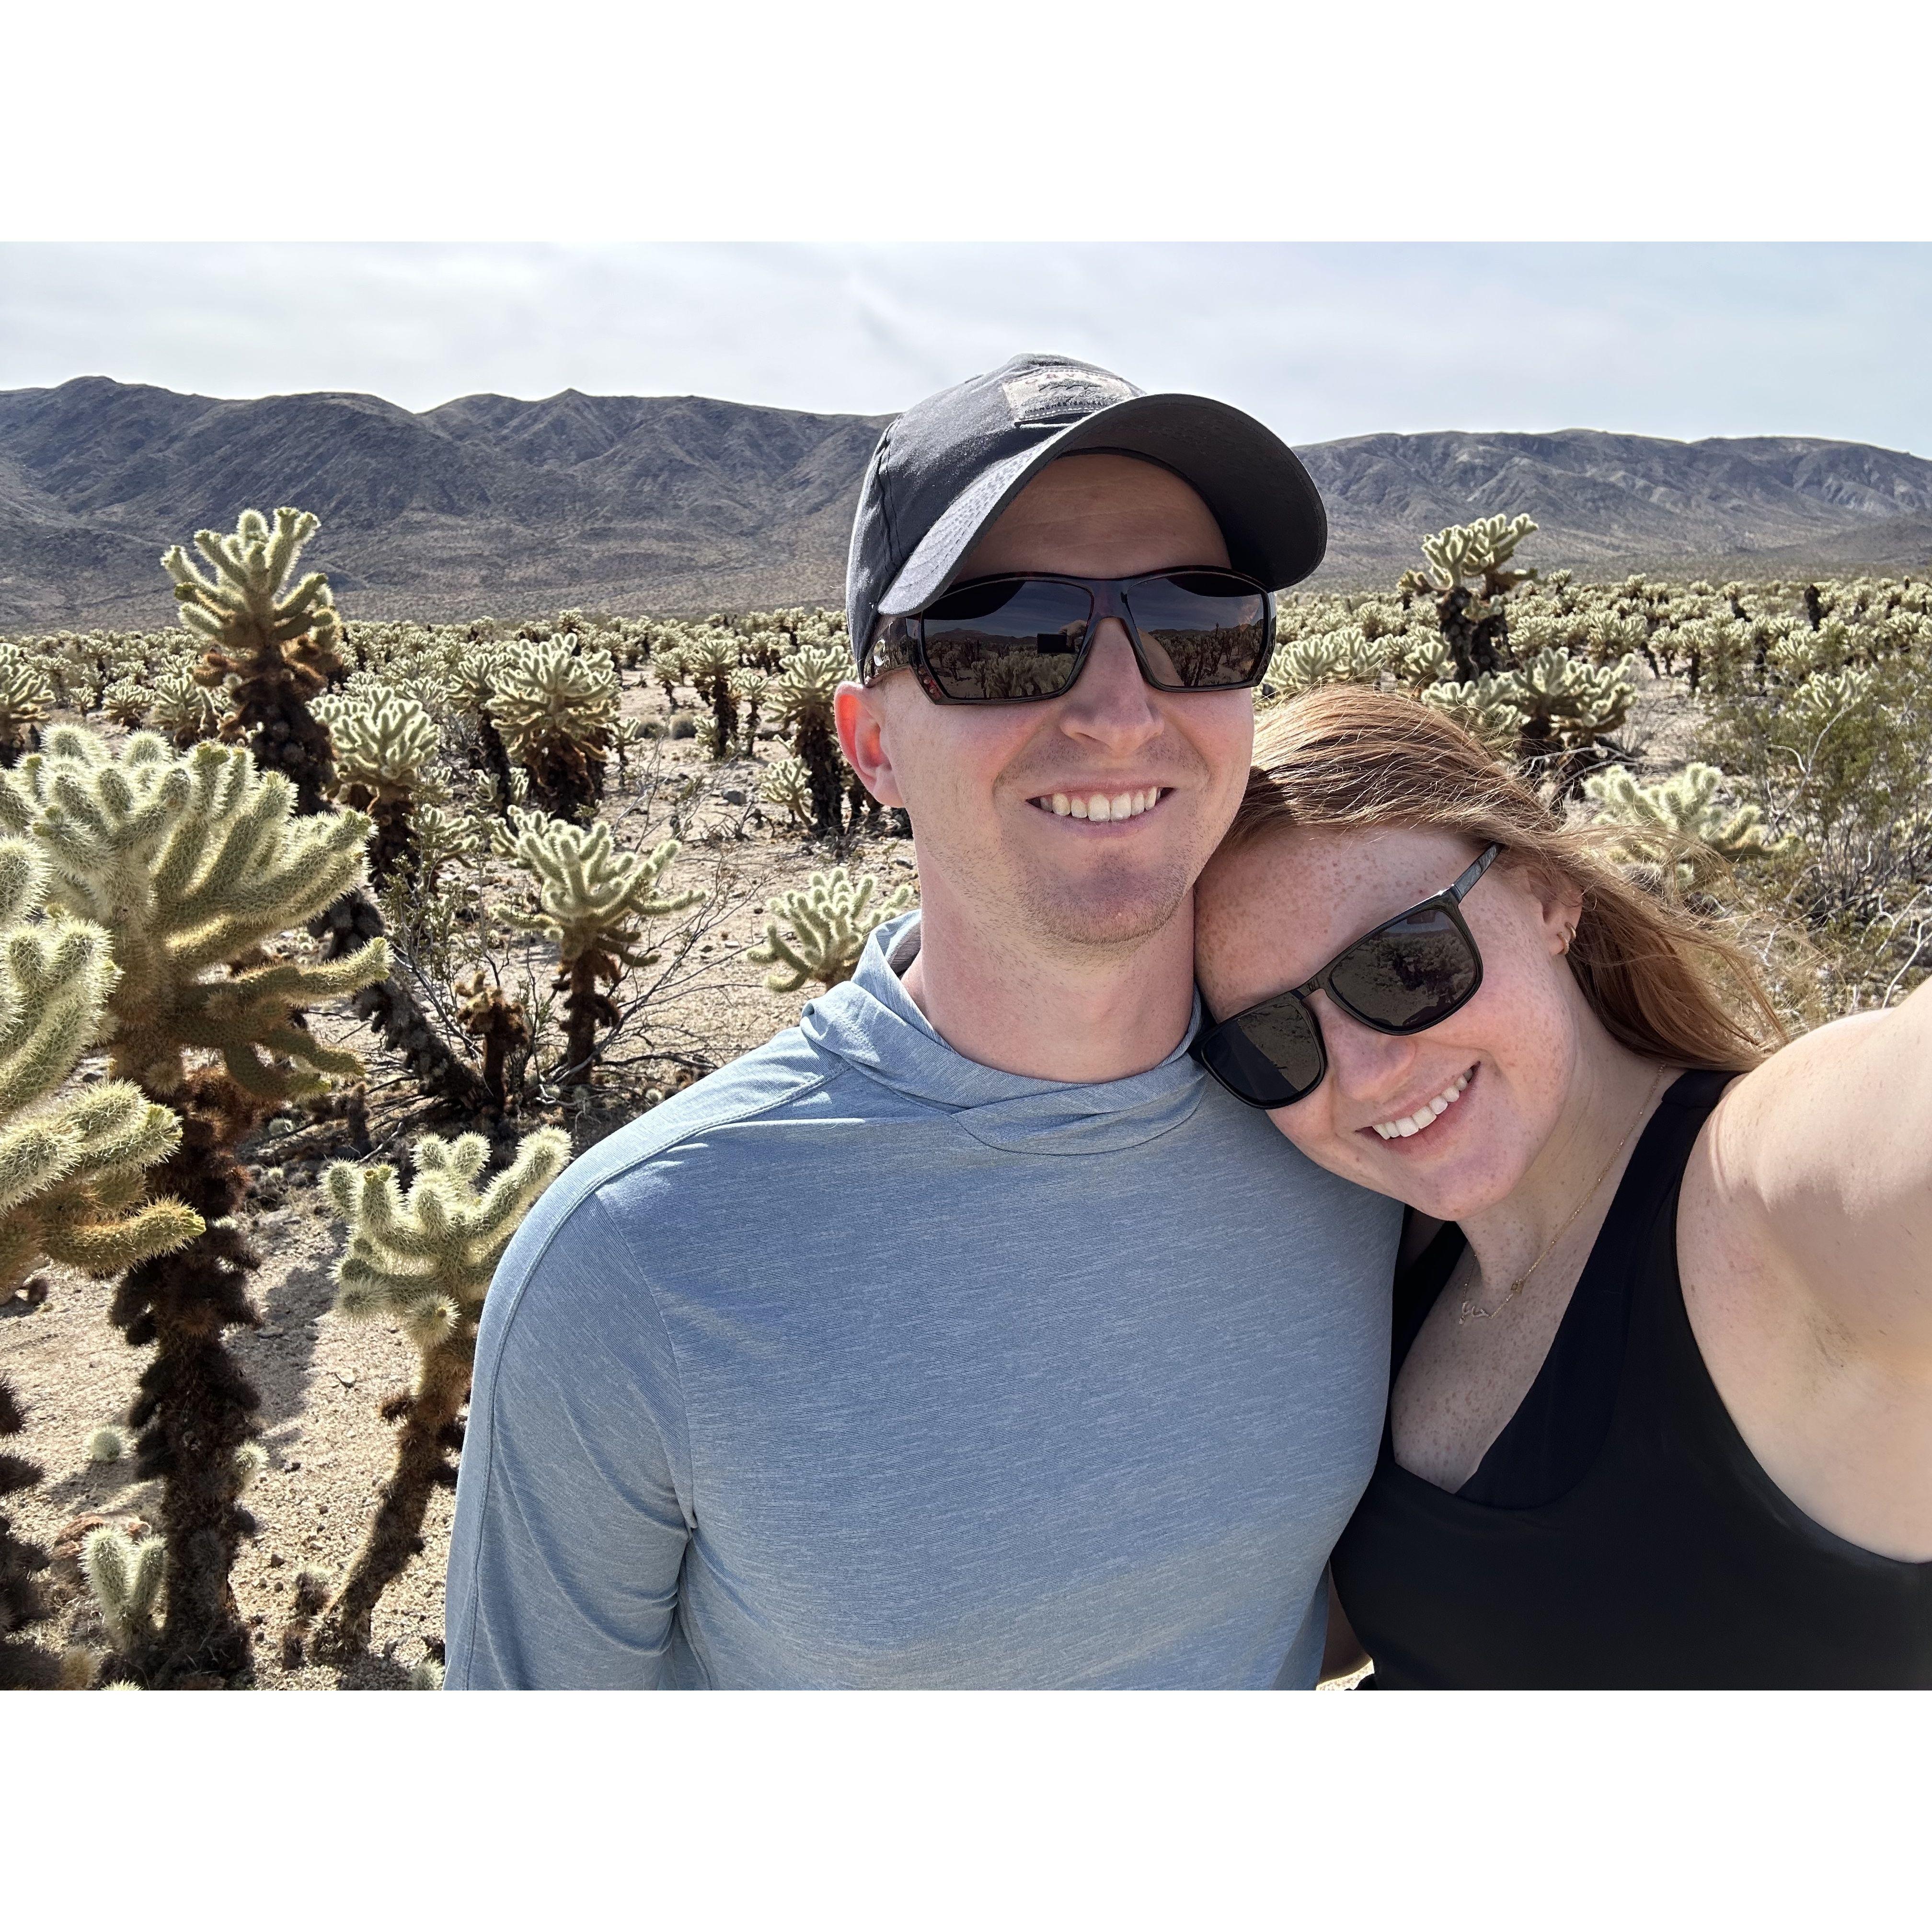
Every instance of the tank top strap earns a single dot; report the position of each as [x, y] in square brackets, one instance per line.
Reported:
[1640, 1242]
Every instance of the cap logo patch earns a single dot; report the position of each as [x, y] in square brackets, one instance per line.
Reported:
[1062, 395]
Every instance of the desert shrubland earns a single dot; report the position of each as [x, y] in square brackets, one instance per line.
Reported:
[424, 907]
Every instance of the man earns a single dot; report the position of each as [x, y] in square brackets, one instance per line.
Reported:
[966, 1334]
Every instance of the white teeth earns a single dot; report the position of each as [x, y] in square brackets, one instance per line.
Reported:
[1100, 807]
[1424, 1115]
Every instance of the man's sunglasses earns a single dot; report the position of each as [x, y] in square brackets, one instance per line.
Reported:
[1409, 973]
[1018, 640]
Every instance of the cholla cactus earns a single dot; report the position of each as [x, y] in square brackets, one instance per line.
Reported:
[801, 700]
[749, 685]
[1567, 704]
[384, 742]
[273, 643]
[627, 735]
[73, 1170]
[788, 785]
[1343, 656]
[1681, 820]
[424, 1260]
[711, 661]
[193, 864]
[127, 701]
[472, 684]
[1818, 705]
[1485, 707]
[555, 707]
[1466, 575]
[831, 920]
[668, 668]
[24, 1665]
[590, 899]
[498, 1023]
[188, 711]
[1425, 661]
[125, 1577]
[26, 693]
[1466, 553]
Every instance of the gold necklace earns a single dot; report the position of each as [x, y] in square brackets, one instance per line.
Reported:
[1469, 1308]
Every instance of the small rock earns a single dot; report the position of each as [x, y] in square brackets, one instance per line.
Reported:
[733, 797]
[348, 1381]
[275, 1559]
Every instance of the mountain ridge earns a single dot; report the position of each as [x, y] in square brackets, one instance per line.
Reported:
[688, 503]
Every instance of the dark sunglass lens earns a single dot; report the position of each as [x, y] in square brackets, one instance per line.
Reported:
[1014, 638]
[1407, 974]
[1200, 629]
[1272, 1056]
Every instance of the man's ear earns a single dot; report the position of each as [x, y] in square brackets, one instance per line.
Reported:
[859, 711]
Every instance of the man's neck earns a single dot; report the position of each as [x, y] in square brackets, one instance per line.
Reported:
[1086, 1014]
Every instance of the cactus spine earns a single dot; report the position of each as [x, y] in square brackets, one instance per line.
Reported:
[424, 1258]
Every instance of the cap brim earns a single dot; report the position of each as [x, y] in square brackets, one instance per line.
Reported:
[1270, 512]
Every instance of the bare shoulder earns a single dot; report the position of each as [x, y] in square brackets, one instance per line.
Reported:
[1803, 1220]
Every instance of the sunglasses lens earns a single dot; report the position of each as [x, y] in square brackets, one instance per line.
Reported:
[1202, 630]
[1407, 974]
[1016, 637]
[1271, 1056]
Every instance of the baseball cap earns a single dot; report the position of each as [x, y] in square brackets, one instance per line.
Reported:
[945, 470]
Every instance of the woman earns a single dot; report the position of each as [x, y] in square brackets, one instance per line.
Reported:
[1660, 1410]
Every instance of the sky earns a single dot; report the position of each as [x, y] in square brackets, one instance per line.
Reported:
[1318, 339]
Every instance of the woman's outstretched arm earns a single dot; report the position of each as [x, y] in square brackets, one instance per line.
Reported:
[1821, 1165]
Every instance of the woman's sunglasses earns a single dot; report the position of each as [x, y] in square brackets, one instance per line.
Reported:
[1018, 640]
[1410, 972]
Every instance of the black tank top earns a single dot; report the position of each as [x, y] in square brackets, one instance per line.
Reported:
[1618, 1534]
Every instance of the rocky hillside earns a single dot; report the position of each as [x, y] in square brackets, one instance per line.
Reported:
[683, 504]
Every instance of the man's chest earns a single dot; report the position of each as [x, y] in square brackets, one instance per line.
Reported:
[942, 1479]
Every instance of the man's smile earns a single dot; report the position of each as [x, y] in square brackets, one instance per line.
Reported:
[1111, 807]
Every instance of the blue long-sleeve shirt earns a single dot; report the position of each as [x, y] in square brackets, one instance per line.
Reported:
[860, 1363]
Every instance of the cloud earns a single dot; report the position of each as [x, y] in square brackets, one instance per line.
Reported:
[1321, 340]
